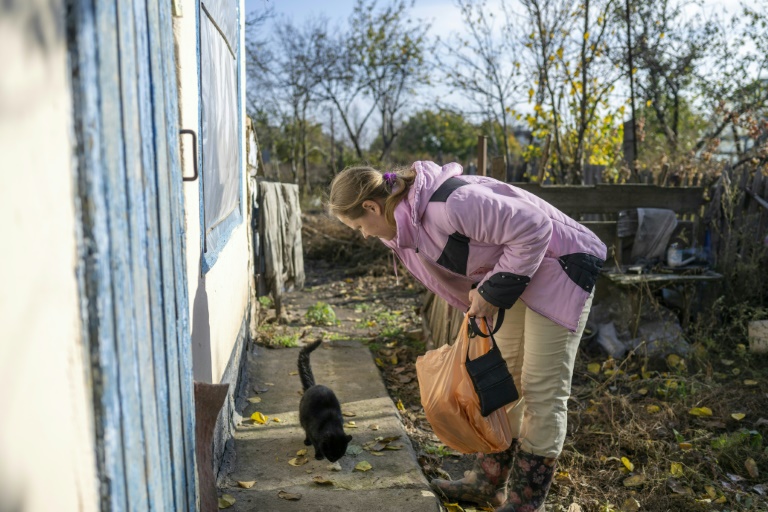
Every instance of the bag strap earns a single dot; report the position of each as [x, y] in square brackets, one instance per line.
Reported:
[474, 330]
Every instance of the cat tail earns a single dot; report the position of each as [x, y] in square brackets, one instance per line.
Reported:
[305, 370]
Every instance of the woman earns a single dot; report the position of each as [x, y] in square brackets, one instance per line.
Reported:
[481, 245]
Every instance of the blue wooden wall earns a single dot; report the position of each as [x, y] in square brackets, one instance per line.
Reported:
[131, 245]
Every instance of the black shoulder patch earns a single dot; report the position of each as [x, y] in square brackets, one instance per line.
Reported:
[446, 189]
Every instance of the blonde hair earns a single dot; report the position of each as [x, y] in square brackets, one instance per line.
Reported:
[355, 185]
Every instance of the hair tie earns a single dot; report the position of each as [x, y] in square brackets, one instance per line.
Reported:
[391, 179]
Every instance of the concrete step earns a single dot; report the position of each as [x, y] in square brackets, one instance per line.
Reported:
[395, 482]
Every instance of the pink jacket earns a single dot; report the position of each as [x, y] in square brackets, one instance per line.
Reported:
[456, 233]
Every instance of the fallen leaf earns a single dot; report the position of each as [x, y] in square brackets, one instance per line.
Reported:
[288, 496]
[293, 373]
[400, 406]
[627, 464]
[393, 447]
[710, 491]
[727, 362]
[321, 480]
[226, 501]
[750, 382]
[630, 505]
[354, 449]
[453, 507]
[738, 416]
[363, 465]
[277, 420]
[634, 481]
[269, 383]
[298, 461]
[246, 485]
[643, 391]
[700, 411]
[301, 452]
[348, 414]
[751, 468]
[676, 469]
[255, 399]
[677, 487]
[685, 446]
[259, 418]
[351, 424]
[379, 362]
[593, 368]
[374, 427]
[377, 454]
[652, 409]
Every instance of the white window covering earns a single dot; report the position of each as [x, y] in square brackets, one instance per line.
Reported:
[219, 42]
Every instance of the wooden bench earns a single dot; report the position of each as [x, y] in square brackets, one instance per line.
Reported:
[598, 207]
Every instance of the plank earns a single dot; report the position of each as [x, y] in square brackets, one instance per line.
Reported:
[119, 240]
[606, 198]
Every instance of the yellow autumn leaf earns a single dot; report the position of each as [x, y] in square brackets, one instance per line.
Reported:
[652, 409]
[750, 382]
[627, 464]
[634, 481]
[363, 465]
[643, 391]
[379, 362]
[676, 469]
[226, 501]
[400, 406]
[246, 485]
[453, 507]
[259, 418]
[685, 446]
[301, 452]
[393, 360]
[751, 466]
[649, 102]
[255, 399]
[298, 461]
[738, 416]
[594, 368]
[700, 411]
[277, 420]
[586, 35]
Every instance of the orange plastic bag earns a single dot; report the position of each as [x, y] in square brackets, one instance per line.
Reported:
[450, 402]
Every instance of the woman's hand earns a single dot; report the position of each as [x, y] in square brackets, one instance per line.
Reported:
[480, 307]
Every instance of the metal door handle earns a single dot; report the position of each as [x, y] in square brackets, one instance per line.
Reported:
[194, 153]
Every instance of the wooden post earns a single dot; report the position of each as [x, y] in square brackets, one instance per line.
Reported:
[482, 154]
[499, 168]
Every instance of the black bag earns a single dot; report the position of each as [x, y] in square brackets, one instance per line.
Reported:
[489, 373]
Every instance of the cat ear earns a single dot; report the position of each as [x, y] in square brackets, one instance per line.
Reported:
[349, 438]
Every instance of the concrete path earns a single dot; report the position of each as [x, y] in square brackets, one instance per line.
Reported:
[395, 482]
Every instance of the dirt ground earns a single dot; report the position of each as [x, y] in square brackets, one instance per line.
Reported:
[686, 436]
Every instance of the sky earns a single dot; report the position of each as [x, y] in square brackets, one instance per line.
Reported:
[433, 10]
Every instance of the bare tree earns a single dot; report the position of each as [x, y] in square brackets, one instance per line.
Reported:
[480, 64]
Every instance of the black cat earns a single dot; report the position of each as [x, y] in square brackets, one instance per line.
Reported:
[320, 413]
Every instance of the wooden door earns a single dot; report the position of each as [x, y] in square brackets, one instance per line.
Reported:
[132, 275]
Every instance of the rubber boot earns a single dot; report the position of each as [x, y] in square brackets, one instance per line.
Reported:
[484, 483]
[529, 481]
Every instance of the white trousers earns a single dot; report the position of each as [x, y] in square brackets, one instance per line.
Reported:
[540, 355]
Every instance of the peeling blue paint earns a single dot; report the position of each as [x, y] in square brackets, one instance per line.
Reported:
[131, 252]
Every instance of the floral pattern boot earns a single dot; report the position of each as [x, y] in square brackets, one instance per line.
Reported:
[529, 482]
[484, 483]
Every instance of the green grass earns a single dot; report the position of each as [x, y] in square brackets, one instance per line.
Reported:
[321, 314]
